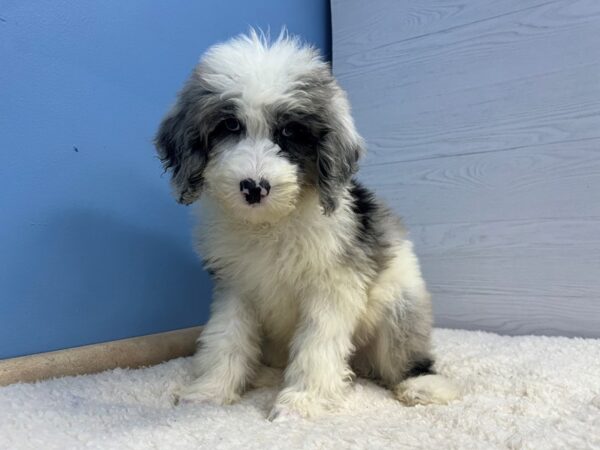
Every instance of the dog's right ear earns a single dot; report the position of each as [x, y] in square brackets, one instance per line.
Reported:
[339, 151]
[182, 146]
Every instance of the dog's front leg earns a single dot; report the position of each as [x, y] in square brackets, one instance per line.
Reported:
[318, 373]
[228, 351]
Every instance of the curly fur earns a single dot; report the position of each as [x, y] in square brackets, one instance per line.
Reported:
[318, 278]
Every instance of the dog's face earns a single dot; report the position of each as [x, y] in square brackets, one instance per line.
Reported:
[257, 125]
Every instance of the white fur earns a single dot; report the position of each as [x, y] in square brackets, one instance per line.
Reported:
[314, 313]
[256, 72]
[295, 290]
[255, 159]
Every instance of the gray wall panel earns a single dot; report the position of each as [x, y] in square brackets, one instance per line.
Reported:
[483, 126]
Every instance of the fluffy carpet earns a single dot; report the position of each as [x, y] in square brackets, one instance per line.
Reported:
[519, 392]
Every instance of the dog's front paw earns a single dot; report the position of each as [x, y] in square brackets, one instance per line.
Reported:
[295, 404]
[281, 413]
[201, 391]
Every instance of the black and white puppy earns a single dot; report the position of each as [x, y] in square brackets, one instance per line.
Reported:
[312, 274]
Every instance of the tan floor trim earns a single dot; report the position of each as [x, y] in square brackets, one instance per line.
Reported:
[133, 352]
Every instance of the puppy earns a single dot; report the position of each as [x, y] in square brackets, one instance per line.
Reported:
[312, 274]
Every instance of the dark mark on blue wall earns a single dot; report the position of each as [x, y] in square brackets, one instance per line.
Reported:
[76, 149]
[2, 19]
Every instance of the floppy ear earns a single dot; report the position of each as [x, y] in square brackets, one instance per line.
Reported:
[182, 146]
[338, 153]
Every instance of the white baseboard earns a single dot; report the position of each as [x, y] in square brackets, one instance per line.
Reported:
[134, 352]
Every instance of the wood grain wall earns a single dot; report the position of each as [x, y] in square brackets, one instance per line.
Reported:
[482, 120]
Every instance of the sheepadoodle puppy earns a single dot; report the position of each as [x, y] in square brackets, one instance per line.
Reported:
[313, 275]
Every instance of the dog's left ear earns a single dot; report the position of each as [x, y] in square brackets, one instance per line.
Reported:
[338, 153]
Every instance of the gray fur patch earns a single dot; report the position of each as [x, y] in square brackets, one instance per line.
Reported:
[182, 140]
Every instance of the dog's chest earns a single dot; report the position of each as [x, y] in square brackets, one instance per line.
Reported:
[276, 259]
[274, 267]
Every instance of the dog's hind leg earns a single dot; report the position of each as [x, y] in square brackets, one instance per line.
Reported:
[399, 352]
[403, 361]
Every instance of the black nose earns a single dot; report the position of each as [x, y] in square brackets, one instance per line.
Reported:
[253, 192]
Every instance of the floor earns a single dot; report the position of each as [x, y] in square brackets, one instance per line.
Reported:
[519, 392]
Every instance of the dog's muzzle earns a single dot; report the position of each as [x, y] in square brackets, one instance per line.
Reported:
[253, 192]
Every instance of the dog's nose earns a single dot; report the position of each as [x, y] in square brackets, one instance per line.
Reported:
[253, 192]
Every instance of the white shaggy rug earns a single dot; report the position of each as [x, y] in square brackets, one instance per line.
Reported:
[520, 392]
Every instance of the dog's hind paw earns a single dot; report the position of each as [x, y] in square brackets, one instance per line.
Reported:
[426, 390]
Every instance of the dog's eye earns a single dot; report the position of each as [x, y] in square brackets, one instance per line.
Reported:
[228, 126]
[292, 130]
[287, 131]
[232, 124]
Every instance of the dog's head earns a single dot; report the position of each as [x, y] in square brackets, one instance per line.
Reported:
[257, 124]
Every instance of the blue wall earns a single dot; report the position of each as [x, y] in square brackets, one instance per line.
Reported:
[92, 246]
